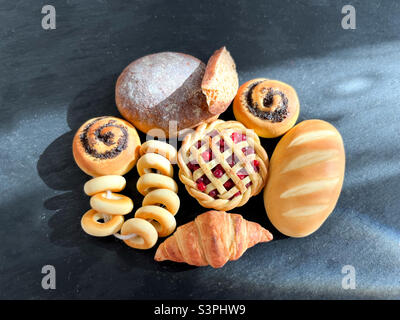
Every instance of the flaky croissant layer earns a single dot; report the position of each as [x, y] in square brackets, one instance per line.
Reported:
[213, 238]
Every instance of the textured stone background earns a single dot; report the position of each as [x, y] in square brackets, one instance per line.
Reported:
[52, 81]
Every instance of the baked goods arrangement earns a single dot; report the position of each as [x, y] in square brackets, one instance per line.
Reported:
[222, 164]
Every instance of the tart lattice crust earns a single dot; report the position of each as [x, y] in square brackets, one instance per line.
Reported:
[222, 164]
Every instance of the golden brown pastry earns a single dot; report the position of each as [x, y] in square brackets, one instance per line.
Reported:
[106, 146]
[305, 178]
[213, 238]
[220, 82]
[161, 202]
[269, 107]
[102, 184]
[222, 164]
[91, 224]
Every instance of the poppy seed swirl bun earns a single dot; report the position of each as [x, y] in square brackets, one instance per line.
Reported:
[269, 107]
[106, 146]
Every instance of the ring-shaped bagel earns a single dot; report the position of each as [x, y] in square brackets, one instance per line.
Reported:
[114, 204]
[154, 161]
[100, 184]
[146, 235]
[163, 197]
[159, 147]
[160, 218]
[91, 225]
[151, 181]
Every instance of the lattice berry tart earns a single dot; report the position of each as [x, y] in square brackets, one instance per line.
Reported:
[222, 164]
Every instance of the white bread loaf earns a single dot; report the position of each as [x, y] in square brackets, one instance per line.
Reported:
[305, 178]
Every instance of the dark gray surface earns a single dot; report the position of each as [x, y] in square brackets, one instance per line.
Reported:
[52, 81]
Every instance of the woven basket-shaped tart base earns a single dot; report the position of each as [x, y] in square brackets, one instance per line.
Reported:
[222, 164]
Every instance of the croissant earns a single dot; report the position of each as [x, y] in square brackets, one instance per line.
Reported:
[213, 238]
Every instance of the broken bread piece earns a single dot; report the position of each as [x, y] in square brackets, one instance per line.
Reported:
[220, 82]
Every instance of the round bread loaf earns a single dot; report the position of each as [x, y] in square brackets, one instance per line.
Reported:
[163, 90]
[306, 175]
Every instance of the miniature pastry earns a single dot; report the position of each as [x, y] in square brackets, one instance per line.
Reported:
[222, 164]
[153, 162]
[305, 178]
[106, 146]
[140, 233]
[213, 238]
[269, 107]
[101, 184]
[167, 198]
[220, 82]
[150, 181]
[162, 219]
[161, 201]
[111, 203]
[162, 148]
[164, 91]
[110, 225]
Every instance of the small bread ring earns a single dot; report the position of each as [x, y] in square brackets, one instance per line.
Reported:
[164, 197]
[100, 184]
[146, 234]
[160, 218]
[154, 161]
[151, 181]
[159, 147]
[90, 224]
[114, 204]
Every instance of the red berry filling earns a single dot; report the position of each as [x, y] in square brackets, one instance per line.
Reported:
[229, 184]
[193, 166]
[207, 155]
[232, 160]
[242, 173]
[235, 195]
[202, 182]
[247, 151]
[213, 193]
[256, 165]
[218, 171]
[221, 145]
[201, 186]
[238, 137]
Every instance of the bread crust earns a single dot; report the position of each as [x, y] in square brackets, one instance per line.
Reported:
[220, 82]
[159, 88]
[305, 178]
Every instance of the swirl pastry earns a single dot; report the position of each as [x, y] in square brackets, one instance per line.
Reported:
[269, 107]
[106, 146]
[222, 164]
